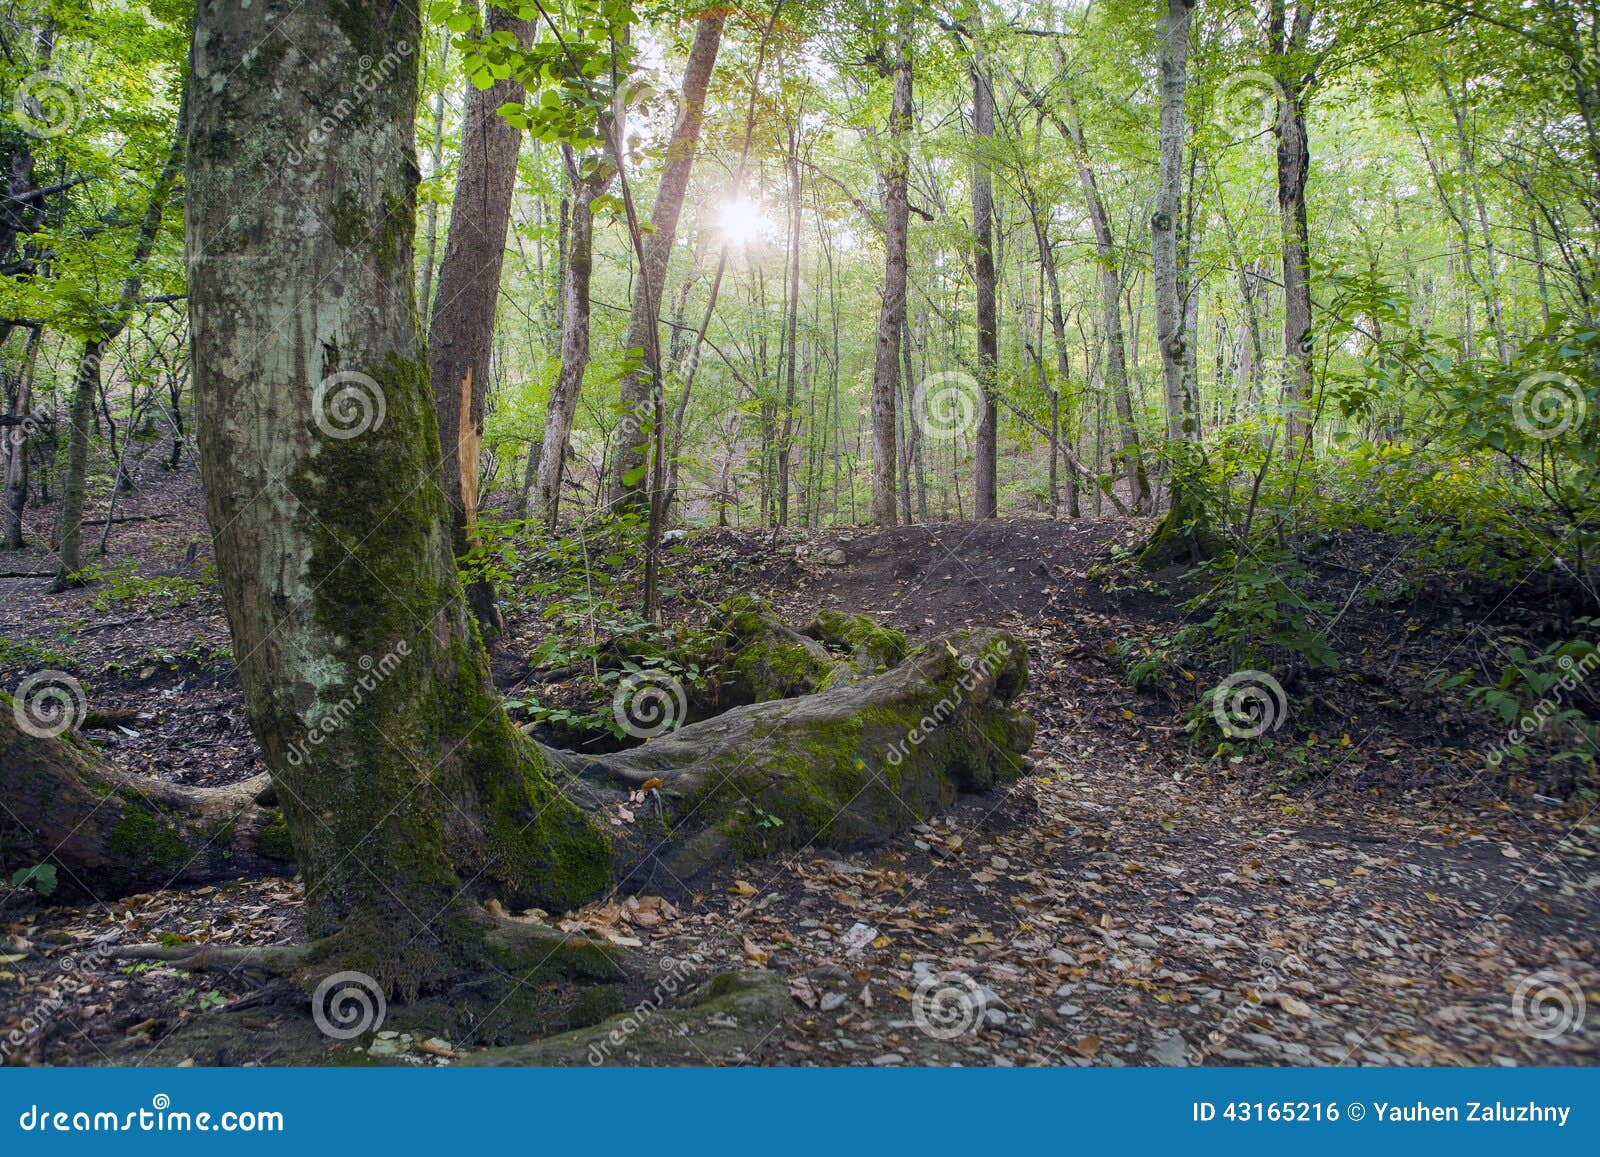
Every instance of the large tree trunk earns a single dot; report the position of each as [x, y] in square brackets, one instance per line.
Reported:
[631, 442]
[986, 500]
[461, 332]
[408, 794]
[886, 356]
[575, 307]
[406, 790]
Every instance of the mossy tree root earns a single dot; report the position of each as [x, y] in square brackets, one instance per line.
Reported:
[109, 833]
[843, 768]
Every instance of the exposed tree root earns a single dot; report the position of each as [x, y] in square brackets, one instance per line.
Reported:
[110, 833]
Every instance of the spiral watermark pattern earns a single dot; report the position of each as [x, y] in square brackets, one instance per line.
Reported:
[46, 106]
[347, 1004]
[48, 704]
[1547, 1005]
[649, 703]
[1246, 99]
[947, 405]
[348, 404]
[947, 1005]
[1247, 704]
[1546, 405]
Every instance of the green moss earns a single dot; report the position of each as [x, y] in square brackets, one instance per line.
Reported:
[871, 645]
[142, 838]
[273, 841]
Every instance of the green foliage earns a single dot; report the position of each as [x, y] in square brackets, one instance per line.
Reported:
[41, 878]
[125, 588]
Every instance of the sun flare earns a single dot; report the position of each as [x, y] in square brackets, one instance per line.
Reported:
[742, 221]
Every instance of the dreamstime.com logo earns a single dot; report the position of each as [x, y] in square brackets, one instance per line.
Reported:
[160, 1117]
[1548, 1005]
[947, 406]
[947, 1005]
[347, 404]
[373, 75]
[46, 106]
[373, 673]
[48, 704]
[677, 974]
[347, 1004]
[973, 672]
[1547, 405]
[1248, 704]
[649, 703]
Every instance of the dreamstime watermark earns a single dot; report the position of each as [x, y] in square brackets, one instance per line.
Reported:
[1546, 405]
[46, 105]
[649, 703]
[1248, 704]
[347, 404]
[677, 974]
[373, 76]
[947, 1005]
[1246, 99]
[1275, 971]
[160, 1117]
[373, 673]
[1548, 1005]
[973, 672]
[48, 704]
[1571, 677]
[74, 968]
[947, 405]
[347, 1004]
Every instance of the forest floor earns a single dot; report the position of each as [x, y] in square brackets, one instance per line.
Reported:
[1358, 890]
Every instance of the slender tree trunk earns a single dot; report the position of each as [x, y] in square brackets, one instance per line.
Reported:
[575, 308]
[461, 332]
[14, 475]
[986, 499]
[1287, 43]
[886, 355]
[629, 453]
[430, 247]
[1116, 365]
[1171, 333]
[791, 325]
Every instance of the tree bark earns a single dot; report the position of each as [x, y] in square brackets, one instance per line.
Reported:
[986, 501]
[575, 310]
[14, 458]
[896, 212]
[1164, 225]
[1286, 43]
[630, 450]
[1116, 370]
[461, 331]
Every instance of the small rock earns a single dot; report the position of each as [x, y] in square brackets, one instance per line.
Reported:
[831, 1001]
[1170, 1049]
[889, 1059]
